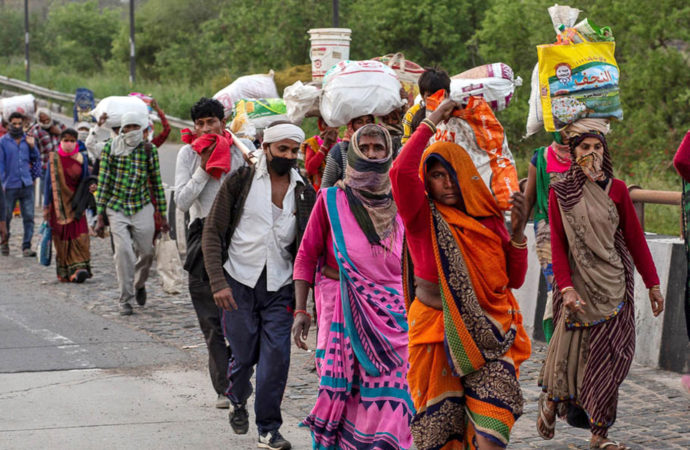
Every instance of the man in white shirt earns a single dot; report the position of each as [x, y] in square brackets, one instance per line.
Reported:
[262, 213]
[195, 190]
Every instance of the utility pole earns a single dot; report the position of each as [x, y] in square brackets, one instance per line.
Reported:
[336, 14]
[27, 65]
[132, 53]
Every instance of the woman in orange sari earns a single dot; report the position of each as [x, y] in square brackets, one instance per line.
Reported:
[67, 194]
[466, 335]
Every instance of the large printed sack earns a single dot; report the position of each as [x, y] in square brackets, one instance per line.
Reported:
[301, 100]
[577, 81]
[261, 112]
[535, 117]
[358, 88]
[116, 107]
[24, 104]
[476, 129]
[495, 83]
[408, 73]
[248, 86]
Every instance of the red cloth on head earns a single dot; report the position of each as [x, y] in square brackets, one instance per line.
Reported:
[219, 162]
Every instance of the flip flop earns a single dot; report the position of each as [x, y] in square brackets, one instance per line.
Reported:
[607, 444]
[549, 427]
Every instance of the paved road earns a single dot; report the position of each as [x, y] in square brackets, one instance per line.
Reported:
[74, 374]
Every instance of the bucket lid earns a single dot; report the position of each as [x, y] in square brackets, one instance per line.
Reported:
[346, 31]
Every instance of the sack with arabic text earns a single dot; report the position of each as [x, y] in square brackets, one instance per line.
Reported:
[578, 81]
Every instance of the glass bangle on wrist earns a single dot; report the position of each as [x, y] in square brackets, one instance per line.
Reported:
[566, 289]
[429, 124]
[519, 245]
[302, 311]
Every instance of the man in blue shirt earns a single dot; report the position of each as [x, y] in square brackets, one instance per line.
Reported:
[17, 154]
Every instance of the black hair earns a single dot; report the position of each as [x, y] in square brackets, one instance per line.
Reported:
[69, 132]
[16, 115]
[432, 80]
[207, 107]
[372, 130]
[279, 122]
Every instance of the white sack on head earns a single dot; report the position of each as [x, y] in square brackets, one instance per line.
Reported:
[300, 100]
[353, 89]
[23, 104]
[248, 86]
[116, 106]
[495, 83]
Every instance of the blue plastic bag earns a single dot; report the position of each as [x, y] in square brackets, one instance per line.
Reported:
[44, 252]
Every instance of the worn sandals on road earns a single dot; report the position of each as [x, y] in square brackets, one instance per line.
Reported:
[546, 428]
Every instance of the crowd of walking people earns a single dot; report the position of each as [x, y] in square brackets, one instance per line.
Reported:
[409, 259]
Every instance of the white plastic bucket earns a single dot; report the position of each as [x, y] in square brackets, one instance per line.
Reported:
[329, 46]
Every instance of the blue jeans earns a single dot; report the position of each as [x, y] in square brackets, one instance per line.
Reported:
[25, 195]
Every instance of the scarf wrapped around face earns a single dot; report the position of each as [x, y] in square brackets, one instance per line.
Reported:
[368, 189]
[569, 191]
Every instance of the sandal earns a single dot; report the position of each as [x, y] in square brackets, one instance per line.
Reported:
[545, 428]
[611, 445]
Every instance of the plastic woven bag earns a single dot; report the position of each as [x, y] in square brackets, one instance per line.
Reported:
[495, 83]
[301, 100]
[408, 73]
[168, 264]
[358, 88]
[476, 129]
[44, 246]
[578, 81]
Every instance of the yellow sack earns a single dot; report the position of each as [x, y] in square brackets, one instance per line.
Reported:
[577, 81]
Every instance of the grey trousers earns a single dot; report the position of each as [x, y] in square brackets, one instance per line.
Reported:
[133, 240]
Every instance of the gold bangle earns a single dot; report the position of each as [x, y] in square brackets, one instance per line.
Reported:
[519, 245]
[655, 288]
[429, 124]
[566, 289]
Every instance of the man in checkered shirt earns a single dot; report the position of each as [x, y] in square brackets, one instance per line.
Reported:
[130, 192]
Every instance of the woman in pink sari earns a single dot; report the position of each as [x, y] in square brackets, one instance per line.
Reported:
[355, 238]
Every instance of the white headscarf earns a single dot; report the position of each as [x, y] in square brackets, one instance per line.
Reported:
[124, 143]
[282, 131]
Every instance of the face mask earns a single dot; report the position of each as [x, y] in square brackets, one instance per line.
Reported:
[82, 135]
[68, 147]
[590, 164]
[280, 165]
[16, 132]
[133, 138]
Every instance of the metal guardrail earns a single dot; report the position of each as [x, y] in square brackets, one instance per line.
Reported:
[42, 92]
[640, 197]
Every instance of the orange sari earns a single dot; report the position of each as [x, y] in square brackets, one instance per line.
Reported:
[465, 359]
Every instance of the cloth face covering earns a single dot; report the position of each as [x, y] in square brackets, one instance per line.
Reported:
[591, 165]
[67, 148]
[281, 165]
[16, 132]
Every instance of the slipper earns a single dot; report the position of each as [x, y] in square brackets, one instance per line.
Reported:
[607, 444]
[549, 427]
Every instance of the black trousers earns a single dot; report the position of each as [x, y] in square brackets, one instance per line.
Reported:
[210, 316]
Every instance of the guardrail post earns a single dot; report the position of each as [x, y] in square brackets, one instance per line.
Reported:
[639, 206]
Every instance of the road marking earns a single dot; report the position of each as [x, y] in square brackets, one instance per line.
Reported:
[74, 351]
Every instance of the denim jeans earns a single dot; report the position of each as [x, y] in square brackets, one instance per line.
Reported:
[25, 196]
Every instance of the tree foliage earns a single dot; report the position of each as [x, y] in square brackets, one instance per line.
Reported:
[208, 43]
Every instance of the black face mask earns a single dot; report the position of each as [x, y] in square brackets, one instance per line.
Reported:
[280, 165]
[16, 132]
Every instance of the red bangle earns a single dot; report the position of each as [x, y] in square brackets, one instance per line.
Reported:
[303, 312]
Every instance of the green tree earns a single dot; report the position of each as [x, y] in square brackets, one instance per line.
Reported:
[11, 31]
[79, 36]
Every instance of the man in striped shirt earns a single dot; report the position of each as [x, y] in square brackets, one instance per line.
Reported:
[130, 192]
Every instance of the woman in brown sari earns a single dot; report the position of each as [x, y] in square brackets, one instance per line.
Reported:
[66, 196]
[595, 239]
